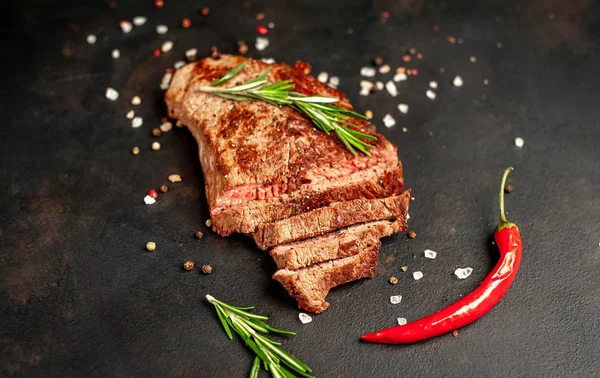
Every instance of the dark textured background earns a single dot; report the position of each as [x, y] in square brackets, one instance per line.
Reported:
[79, 296]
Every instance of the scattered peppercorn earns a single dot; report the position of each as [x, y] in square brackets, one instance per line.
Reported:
[215, 53]
[159, 4]
[406, 58]
[153, 193]
[151, 246]
[442, 69]
[157, 53]
[412, 234]
[436, 28]
[155, 146]
[208, 223]
[199, 235]
[188, 265]
[179, 123]
[393, 280]
[369, 114]
[186, 23]
[455, 333]
[156, 132]
[509, 188]
[262, 30]
[205, 11]
[243, 49]
[206, 269]
[451, 39]
[420, 56]
[378, 61]
[164, 189]
[404, 268]
[135, 150]
[260, 16]
[412, 51]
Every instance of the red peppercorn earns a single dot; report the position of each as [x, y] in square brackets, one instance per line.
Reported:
[415, 72]
[157, 52]
[186, 23]
[385, 14]
[153, 193]
[420, 56]
[442, 69]
[262, 30]
[159, 4]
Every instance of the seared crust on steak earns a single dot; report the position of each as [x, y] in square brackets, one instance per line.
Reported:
[311, 285]
[330, 218]
[335, 245]
[256, 151]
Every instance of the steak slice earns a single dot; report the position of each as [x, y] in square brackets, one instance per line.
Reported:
[330, 218]
[311, 285]
[254, 151]
[339, 244]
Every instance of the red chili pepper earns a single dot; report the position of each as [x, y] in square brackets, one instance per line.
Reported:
[472, 306]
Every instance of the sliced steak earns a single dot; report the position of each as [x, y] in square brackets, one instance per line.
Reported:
[254, 151]
[330, 218]
[343, 243]
[311, 285]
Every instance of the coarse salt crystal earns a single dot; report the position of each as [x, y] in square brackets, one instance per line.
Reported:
[162, 29]
[402, 321]
[268, 60]
[179, 64]
[111, 94]
[463, 273]
[91, 39]
[433, 84]
[400, 77]
[334, 81]
[403, 108]
[404, 129]
[137, 122]
[126, 26]
[395, 299]
[391, 88]
[367, 71]
[191, 53]
[165, 127]
[116, 54]
[322, 77]
[519, 142]
[166, 46]
[407, 216]
[389, 121]
[379, 85]
[430, 254]
[136, 100]
[261, 43]
[149, 200]
[417, 275]
[365, 84]
[430, 94]
[364, 92]
[304, 318]
[175, 178]
[458, 81]
[130, 114]
[139, 20]
[384, 69]
[166, 80]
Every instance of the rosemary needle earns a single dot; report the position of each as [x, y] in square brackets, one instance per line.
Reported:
[321, 110]
[248, 325]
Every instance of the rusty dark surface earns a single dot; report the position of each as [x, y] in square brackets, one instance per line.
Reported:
[80, 297]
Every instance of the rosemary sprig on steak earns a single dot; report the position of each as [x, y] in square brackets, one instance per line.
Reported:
[249, 326]
[324, 115]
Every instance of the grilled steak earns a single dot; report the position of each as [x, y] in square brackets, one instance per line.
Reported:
[330, 218]
[343, 243]
[263, 159]
[311, 285]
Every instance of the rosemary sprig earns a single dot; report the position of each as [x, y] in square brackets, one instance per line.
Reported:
[249, 326]
[325, 116]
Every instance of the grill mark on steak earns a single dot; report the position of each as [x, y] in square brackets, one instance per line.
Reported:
[311, 285]
[330, 218]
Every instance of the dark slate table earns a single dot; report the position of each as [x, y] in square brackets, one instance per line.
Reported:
[80, 297]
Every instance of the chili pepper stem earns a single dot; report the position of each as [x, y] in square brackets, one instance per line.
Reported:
[503, 222]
